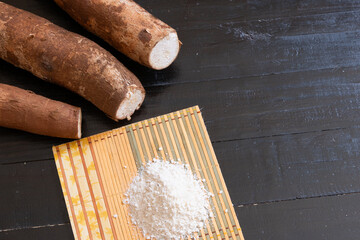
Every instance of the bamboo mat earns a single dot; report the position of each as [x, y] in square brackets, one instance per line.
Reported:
[95, 172]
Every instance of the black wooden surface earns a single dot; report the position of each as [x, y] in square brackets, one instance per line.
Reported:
[278, 83]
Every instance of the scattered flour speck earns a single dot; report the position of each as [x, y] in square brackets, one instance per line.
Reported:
[167, 201]
[242, 34]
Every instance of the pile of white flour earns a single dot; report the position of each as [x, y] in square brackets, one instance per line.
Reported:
[167, 201]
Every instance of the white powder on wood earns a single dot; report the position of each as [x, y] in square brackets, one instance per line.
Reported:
[167, 201]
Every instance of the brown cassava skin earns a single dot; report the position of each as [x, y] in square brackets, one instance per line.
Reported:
[122, 23]
[24, 110]
[64, 58]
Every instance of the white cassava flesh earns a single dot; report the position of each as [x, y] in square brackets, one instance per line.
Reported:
[164, 52]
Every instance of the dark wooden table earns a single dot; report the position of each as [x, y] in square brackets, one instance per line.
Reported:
[279, 86]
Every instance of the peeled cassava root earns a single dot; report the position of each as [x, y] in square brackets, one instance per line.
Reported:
[24, 110]
[69, 60]
[127, 27]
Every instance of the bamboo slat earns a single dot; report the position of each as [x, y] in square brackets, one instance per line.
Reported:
[95, 172]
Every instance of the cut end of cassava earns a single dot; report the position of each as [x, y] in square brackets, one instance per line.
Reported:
[133, 101]
[164, 52]
[78, 135]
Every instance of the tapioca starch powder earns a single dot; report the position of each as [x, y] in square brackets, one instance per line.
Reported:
[167, 201]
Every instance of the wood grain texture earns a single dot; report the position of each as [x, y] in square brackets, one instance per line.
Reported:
[56, 232]
[258, 107]
[30, 196]
[285, 73]
[291, 167]
[331, 218]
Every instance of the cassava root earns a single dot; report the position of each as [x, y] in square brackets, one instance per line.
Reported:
[27, 111]
[127, 27]
[69, 60]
